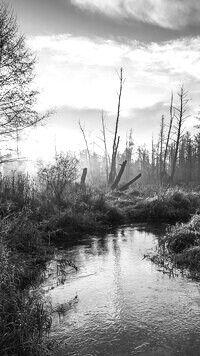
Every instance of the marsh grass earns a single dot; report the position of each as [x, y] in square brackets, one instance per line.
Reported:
[172, 204]
[25, 318]
[179, 249]
[17, 190]
[184, 236]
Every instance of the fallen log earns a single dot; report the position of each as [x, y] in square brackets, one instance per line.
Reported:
[124, 187]
[117, 179]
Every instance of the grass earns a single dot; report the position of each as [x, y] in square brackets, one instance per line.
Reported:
[25, 318]
[180, 248]
[183, 241]
[34, 216]
[172, 204]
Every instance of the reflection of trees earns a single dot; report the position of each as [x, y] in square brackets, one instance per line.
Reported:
[118, 279]
[102, 245]
[157, 229]
[116, 248]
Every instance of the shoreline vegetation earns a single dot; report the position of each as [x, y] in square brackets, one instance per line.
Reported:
[179, 249]
[37, 215]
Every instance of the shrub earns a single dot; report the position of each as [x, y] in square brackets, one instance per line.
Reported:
[56, 179]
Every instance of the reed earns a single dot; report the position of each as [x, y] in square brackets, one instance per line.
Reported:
[25, 318]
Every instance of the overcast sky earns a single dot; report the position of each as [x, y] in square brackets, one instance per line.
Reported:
[81, 43]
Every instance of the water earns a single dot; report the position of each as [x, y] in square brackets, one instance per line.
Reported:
[125, 306]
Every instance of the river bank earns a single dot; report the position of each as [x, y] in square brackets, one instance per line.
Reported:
[34, 222]
[181, 246]
[97, 211]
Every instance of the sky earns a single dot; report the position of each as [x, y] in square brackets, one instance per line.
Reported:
[80, 46]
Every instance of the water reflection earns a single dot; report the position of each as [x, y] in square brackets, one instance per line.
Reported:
[124, 305]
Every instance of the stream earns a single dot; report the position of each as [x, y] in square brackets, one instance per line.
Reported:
[117, 302]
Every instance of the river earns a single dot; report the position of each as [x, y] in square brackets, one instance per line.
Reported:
[118, 303]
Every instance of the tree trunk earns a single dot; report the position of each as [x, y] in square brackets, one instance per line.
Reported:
[105, 146]
[169, 133]
[124, 187]
[180, 119]
[121, 171]
[115, 142]
[83, 177]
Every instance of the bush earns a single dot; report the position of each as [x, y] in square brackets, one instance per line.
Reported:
[56, 180]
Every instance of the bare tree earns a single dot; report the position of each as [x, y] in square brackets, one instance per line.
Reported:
[17, 96]
[161, 146]
[172, 113]
[129, 151]
[87, 147]
[153, 158]
[180, 115]
[105, 144]
[116, 137]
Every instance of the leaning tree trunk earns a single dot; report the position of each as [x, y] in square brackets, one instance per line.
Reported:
[127, 185]
[121, 171]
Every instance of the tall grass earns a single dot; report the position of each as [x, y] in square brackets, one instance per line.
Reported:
[25, 318]
[174, 204]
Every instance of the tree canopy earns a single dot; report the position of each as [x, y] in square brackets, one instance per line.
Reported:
[17, 96]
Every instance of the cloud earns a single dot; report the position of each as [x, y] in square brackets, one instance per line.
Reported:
[165, 13]
[76, 50]
[80, 72]
[177, 56]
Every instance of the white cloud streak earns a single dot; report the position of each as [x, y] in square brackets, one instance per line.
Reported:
[173, 14]
[80, 72]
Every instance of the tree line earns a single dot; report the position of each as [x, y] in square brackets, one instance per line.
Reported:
[174, 157]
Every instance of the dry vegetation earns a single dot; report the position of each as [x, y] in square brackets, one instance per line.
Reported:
[37, 214]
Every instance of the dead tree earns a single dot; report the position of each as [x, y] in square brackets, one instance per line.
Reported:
[180, 115]
[129, 151]
[121, 171]
[87, 147]
[171, 112]
[153, 159]
[116, 137]
[161, 146]
[105, 145]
